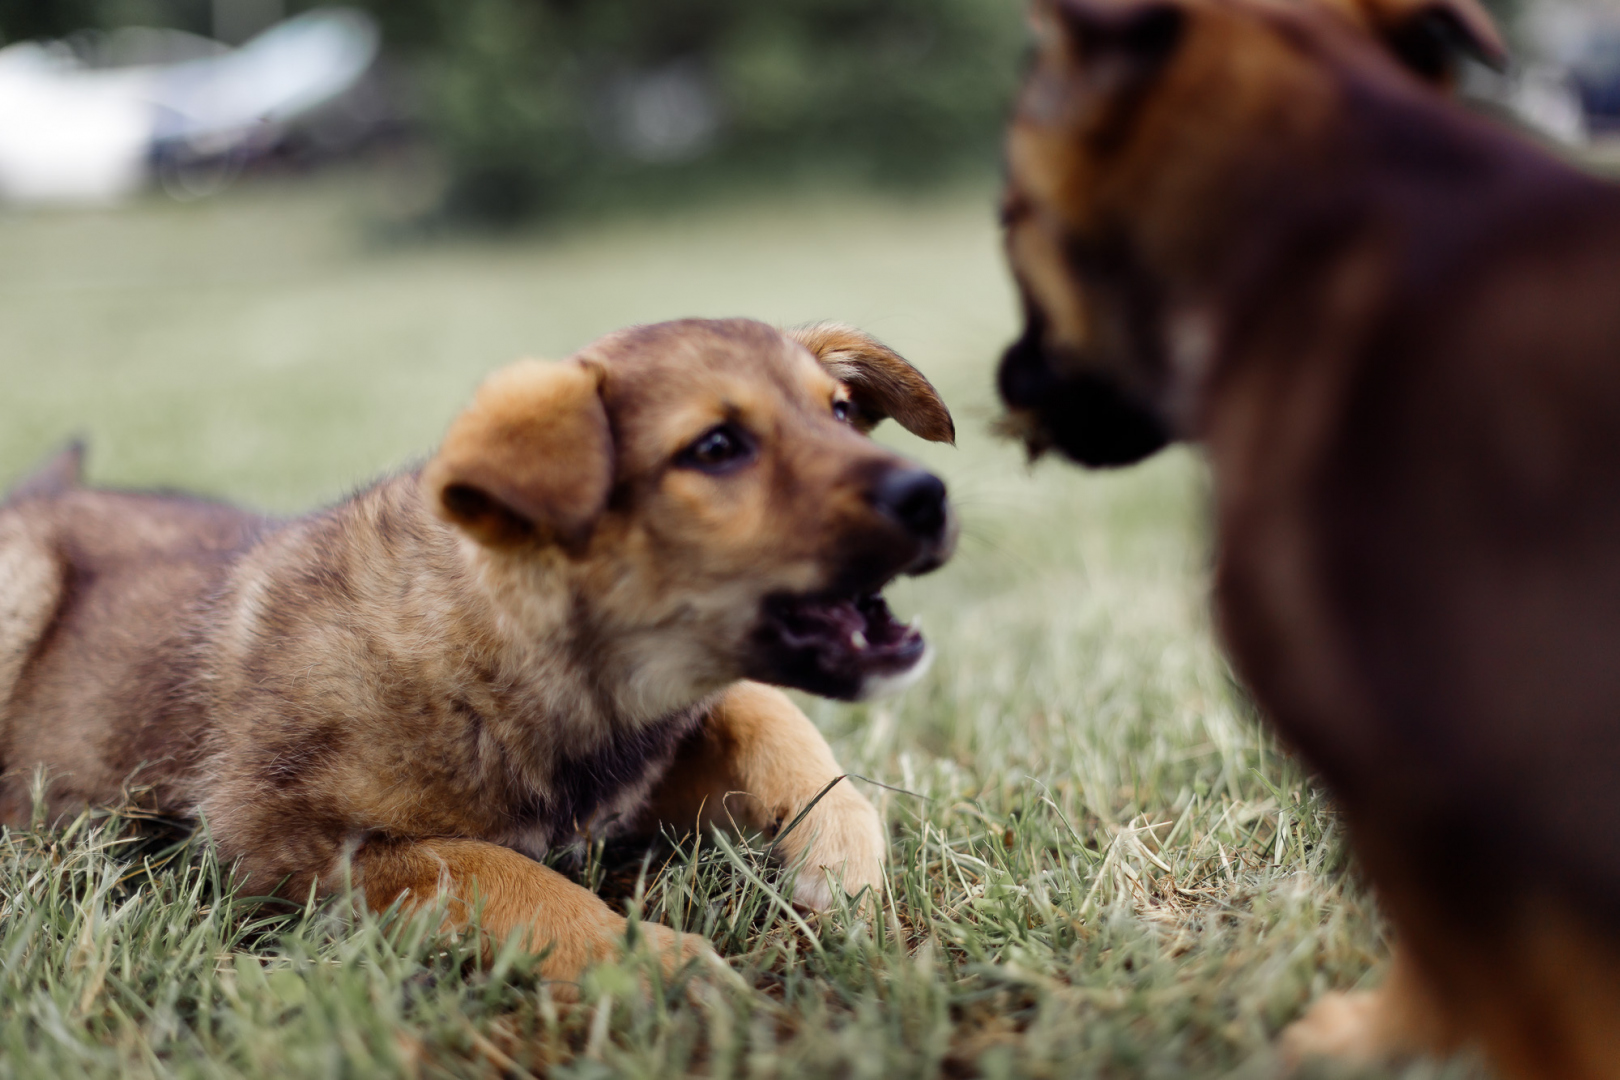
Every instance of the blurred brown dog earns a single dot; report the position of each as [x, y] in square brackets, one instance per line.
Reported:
[1395, 328]
[536, 638]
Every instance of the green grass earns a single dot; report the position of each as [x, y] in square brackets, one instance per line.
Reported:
[1106, 867]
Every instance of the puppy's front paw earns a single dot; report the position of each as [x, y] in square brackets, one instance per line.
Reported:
[675, 949]
[847, 848]
[689, 955]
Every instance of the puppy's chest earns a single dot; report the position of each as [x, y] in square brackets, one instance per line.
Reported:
[590, 794]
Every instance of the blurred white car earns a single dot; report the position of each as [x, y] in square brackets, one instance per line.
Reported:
[72, 132]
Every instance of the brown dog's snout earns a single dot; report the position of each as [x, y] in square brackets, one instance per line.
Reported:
[1085, 416]
[1023, 377]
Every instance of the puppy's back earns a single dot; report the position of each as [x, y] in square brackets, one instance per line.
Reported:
[101, 594]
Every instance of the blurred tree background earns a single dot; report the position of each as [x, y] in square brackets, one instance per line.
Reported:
[543, 106]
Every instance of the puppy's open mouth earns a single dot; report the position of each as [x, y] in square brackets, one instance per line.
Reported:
[838, 646]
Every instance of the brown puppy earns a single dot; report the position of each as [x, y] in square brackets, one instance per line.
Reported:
[434, 683]
[1394, 328]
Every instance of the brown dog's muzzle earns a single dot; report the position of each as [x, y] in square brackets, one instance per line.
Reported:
[1085, 416]
[843, 641]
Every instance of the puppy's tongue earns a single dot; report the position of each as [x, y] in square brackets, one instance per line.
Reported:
[863, 625]
[837, 646]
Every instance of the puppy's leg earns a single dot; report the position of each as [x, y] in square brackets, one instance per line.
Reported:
[1400, 1019]
[758, 762]
[516, 894]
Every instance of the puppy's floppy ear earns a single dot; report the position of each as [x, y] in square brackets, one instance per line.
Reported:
[881, 383]
[530, 460]
[1428, 36]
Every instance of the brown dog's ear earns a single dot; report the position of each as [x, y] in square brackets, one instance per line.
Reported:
[530, 460]
[1428, 36]
[1117, 42]
[881, 383]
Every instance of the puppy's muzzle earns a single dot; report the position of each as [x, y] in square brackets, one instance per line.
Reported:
[915, 500]
[843, 641]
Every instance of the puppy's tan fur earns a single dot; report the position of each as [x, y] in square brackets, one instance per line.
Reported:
[537, 638]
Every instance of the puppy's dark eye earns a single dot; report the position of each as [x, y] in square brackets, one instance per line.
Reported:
[842, 410]
[717, 450]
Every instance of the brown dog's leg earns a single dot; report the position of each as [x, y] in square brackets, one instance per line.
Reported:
[516, 894]
[757, 763]
[1400, 1019]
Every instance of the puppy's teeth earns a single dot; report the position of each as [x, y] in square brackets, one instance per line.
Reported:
[858, 640]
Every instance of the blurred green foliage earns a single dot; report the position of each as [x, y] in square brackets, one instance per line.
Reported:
[23, 19]
[546, 105]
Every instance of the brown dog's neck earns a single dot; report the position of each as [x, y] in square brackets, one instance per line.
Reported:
[1410, 202]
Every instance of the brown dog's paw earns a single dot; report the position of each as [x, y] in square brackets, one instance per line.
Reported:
[1344, 1027]
[1337, 1025]
[847, 846]
[1401, 1019]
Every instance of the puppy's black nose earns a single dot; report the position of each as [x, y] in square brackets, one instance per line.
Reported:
[915, 498]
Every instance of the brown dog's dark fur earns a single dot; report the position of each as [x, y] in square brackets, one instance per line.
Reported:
[1394, 328]
[434, 683]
